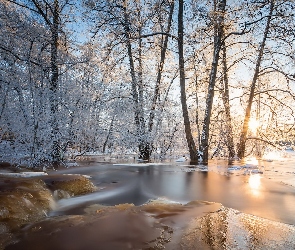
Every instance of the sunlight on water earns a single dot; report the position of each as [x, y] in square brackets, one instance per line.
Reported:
[255, 183]
[252, 161]
[251, 185]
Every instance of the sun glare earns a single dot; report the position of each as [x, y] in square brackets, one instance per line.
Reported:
[272, 155]
[253, 124]
[255, 185]
[252, 161]
[254, 181]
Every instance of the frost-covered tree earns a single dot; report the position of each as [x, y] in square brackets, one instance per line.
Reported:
[138, 33]
[35, 43]
[276, 17]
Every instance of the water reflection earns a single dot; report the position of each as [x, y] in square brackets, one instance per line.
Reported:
[137, 184]
[252, 161]
[255, 184]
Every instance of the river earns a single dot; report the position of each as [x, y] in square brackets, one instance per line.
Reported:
[171, 205]
[266, 192]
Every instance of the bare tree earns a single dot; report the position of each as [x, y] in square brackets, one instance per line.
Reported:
[186, 120]
[50, 13]
[243, 136]
[219, 10]
[164, 46]
[225, 99]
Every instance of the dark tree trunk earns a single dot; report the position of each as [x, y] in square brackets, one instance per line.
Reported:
[243, 136]
[156, 95]
[108, 135]
[4, 98]
[144, 143]
[197, 104]
[186, 120]
[56, 156]
[137, 91]
[218, 30]
[160, 69]
[225, 98]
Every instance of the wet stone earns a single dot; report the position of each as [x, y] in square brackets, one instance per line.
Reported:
[157, 225]
[59, 194]
[72, 184]
[22, 201]
[27, 200]
[230, 229]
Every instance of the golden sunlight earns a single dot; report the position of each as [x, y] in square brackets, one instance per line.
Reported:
[254, 181]
[272, 155]
[252, 161]
[253, 124]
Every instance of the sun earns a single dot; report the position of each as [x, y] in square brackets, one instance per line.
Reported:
[253, 124]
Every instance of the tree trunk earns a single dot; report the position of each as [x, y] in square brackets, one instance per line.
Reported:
[160, 69]
[108, 135]
[219, 9]
[22, 105]
[158, 80]
[225, 98]
[186, 120]
[197, 104]
[3, 103]
[243, 136]
[143, 146]
[144, 140]
[55, 154]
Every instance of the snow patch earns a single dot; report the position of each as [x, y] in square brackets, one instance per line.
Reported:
[132, 165]
[161, 200]
[71, 164]
[24, 174]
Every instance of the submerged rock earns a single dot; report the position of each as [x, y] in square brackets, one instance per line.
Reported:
[27, 200]
[60, 194]
[22, 201]
[113, 229]
[72, 184]
[231, 229]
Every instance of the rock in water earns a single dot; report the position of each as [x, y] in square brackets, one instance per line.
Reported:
[73, 184]
[157, 225]
[22, 201]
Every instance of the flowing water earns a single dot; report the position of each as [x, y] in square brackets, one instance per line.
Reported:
[262, 188]
[169, 205]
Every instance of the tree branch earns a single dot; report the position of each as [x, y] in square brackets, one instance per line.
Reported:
[155, 34]
[22, 5]
[260, 139]
[244, 31]
[18, 57]
[41, 12]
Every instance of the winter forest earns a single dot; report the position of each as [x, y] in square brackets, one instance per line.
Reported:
[155, 78]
